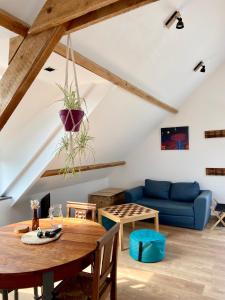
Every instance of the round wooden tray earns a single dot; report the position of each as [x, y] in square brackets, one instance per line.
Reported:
[31, 238]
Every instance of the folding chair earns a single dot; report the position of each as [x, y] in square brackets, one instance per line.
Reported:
[219, 211]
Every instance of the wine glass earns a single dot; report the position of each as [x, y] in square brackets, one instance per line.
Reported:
[56, 216]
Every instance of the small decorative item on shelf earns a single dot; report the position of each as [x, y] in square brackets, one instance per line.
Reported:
[35, 220]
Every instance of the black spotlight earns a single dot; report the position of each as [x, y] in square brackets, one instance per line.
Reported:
[176, 16]
[202, 69]
[180, 23]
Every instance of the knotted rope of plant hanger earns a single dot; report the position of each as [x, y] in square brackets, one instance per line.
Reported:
[69, 52]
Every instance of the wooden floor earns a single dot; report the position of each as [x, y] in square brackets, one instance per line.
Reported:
[194, 268]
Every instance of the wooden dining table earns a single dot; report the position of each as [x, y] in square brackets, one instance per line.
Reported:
[25, 266]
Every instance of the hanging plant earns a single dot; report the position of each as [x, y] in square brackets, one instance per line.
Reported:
[72, 114]
[76, 147]
[76, 142]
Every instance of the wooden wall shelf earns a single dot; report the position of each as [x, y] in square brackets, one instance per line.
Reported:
[215, 171]
[215, 134]
[56, 172]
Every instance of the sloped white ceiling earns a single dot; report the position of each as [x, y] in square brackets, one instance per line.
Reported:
[27, 10]
[137, 47]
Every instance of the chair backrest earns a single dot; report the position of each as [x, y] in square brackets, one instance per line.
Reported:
[81, 209]
[105, 264]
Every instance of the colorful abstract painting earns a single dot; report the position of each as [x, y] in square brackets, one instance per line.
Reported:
[175, 138]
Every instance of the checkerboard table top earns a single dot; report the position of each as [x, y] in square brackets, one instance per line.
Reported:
[128, 210]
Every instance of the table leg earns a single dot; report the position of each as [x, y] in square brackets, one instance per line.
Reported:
[4, 295]
[48, 285]
[36, 295]
[16, 295]
[121, 237]
[156, 222]
[133, 225]
[68, 212]
[99, 217]
[93, 215]
[222, 217]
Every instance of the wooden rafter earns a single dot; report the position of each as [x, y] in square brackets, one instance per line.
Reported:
[31, 54]
[106, 74]
[100, 71]
[13, 23]
[24, 67]
[14, 44]
[105, 13]
[56, 172]
[57, 12]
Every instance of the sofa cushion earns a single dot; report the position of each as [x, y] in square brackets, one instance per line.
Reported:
[169, 207]
[182, 221]
[184, 191]
[157, 189]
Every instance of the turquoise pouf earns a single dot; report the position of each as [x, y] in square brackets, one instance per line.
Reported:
[147, 245]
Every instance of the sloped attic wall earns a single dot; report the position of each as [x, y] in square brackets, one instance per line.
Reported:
[139, 48]
[21, 211]
[152, 57]
[118, 124]
[203, 110]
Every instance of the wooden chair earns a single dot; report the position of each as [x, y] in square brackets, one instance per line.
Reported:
[81, 209]
[102, 281]
[5, 294]
[16, 294]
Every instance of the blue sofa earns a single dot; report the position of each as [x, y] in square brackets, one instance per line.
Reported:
[180, 204]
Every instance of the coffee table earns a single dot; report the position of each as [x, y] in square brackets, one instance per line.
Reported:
[128, 213]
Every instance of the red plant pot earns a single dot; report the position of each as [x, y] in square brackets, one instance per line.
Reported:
[71, 119]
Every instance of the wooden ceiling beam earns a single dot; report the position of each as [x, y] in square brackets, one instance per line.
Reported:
[24, 67]
[12, 23]
[33, 50]
[119, 7]
[56, 172]
[58, 12]
[106, 74]
[14, 44]
[91, 66]
[105, 13]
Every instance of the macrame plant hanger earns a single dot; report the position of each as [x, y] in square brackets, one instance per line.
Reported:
[69, 52]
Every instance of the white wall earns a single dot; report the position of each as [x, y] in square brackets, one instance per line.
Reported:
[77, 192]
[21, 211]
[203, 110]
[13, 214]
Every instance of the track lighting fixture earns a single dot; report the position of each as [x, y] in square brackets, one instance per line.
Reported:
[200, 67]
[180, 23]
[176, 16]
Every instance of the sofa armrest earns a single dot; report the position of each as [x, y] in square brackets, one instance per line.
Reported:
[132, 195]
[202, 205]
